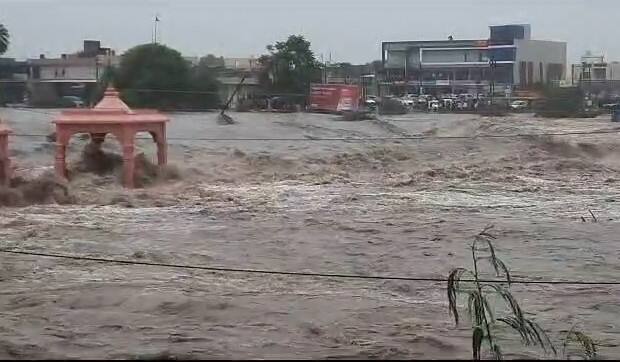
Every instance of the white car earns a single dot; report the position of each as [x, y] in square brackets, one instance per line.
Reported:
[371, 103]
[518, 105]
[407, 102]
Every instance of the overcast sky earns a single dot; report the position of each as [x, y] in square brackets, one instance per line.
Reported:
[352, 30]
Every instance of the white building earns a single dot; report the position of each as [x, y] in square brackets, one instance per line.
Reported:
[595, 68]
[242, 64]
[508, 58]
[70, 74]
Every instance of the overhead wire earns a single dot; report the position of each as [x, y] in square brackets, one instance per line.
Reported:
[293, 273]
[364, 139]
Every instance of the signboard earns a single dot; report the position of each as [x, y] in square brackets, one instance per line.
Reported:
[334, 97]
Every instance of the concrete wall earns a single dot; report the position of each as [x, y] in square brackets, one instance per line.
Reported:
[536, 53]
[241, 63]
[613, 71]
[70, 72]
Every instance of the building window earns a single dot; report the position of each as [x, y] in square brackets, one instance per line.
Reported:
[63, 72]
[55, 73]
[503, 54]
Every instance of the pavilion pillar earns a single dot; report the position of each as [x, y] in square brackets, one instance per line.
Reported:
[162, 153]
[5, 172]
[128, 165]
[60, 163]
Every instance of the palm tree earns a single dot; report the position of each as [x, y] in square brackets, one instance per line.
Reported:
[4, 39]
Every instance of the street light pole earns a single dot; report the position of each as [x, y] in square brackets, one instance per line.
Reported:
[492, 66]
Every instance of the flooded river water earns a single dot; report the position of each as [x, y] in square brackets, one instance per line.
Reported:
[378, 207]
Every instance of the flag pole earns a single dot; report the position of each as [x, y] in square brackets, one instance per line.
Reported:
[155, 29]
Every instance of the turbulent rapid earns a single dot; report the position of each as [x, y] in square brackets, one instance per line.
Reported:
[393, 207]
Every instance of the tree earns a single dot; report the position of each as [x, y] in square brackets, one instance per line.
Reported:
[153, 75]
[211, 61]
[290, 66]
[376, 65]
[205, 84]
[106, 79]
[561, 103]
[4, 39]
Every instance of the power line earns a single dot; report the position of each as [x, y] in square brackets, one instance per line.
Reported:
[287, 273]
[182, 91]
[146, 90]
[23, 109]
[364, 139]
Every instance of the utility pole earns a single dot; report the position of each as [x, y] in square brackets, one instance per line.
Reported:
[420, 79]
[492, 66]
[324, 70]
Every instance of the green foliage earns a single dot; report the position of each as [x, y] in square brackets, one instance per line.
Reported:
[205, 84]
[389, 106]
[376, 65]
[106, 79]
[4, 39]
[154, 75]
[562, 102]
[469, 283]
[567, 99]
[290, 66]
[211, 61]
[152, 67]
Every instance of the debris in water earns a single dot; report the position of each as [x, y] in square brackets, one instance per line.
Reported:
[357, 116]
[224, 119]
[95, 160]
[41, 190]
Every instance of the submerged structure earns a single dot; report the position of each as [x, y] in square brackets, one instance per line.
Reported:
[111, 116]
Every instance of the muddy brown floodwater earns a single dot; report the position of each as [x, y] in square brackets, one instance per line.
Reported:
[400, 208]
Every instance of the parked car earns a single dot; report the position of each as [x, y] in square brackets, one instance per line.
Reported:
[434, 105]
[371, 102]
[610, 105]
[71, 102]
[424, 99]
[519, 105]
[282, 103]
[407, 102]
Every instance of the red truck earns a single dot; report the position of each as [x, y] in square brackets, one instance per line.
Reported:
[334, 98]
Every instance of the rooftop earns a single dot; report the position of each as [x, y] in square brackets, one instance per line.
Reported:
[111, 109]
